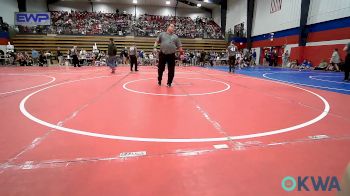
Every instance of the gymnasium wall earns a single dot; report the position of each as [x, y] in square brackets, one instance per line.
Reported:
[236, 13]
[265, 22]
[323, 38]
[328, 27]
[325, 10]
[4, 38]
[130, 9]
[7, 10]
[36, 5]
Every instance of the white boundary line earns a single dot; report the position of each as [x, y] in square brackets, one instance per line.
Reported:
[23, 89]
[172, 140]
[177, 95]
[303, 84]
[317, 78]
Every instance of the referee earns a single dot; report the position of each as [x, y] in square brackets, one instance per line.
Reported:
[169, 42]
[133, 58]
[231, 53]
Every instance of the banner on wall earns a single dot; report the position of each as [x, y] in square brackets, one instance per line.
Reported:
[276, 5]
[32, 19]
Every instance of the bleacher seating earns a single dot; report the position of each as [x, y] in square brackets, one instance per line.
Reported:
[26, 42]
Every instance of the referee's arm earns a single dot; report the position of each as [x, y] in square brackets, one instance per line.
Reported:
[179, 46]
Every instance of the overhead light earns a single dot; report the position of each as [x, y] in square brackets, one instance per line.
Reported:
[206, 1]
[167, 2]
[199, 5]
[134, 1]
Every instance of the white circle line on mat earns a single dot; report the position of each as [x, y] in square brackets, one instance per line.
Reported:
[177, 95]
[303, 84]
[332, 81]
[172, 140]
[31, 87]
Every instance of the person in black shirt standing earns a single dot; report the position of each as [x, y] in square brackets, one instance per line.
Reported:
[112, 52]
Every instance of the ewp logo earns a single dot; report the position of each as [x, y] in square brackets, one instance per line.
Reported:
[318, 184]
[32, 19]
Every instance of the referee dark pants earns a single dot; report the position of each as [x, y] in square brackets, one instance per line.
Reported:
[166, 59]
[347, 67]
[231, 63]
[133, 61]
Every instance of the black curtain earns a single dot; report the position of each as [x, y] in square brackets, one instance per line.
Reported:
[22, 6]
[250, 15]
[304, 13]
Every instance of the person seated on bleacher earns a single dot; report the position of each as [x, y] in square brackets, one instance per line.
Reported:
[322, 66]
[20, 58]
[292, 64]
[28, 58]
[305, 65]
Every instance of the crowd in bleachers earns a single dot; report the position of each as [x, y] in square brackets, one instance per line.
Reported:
[151, 25]
[98, 23]
[84, 23]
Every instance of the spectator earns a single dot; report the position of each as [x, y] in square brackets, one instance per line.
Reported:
[266, 59]
[97, 23]
[202, 58]
[322, 66]
[133, 59]
[74, 55]
[35, 56]
[59, 56]
[335, 59]
[42, 59]
[285, 57]
[305, 65]
[347, 62]
[253, 58]
[293, 64]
